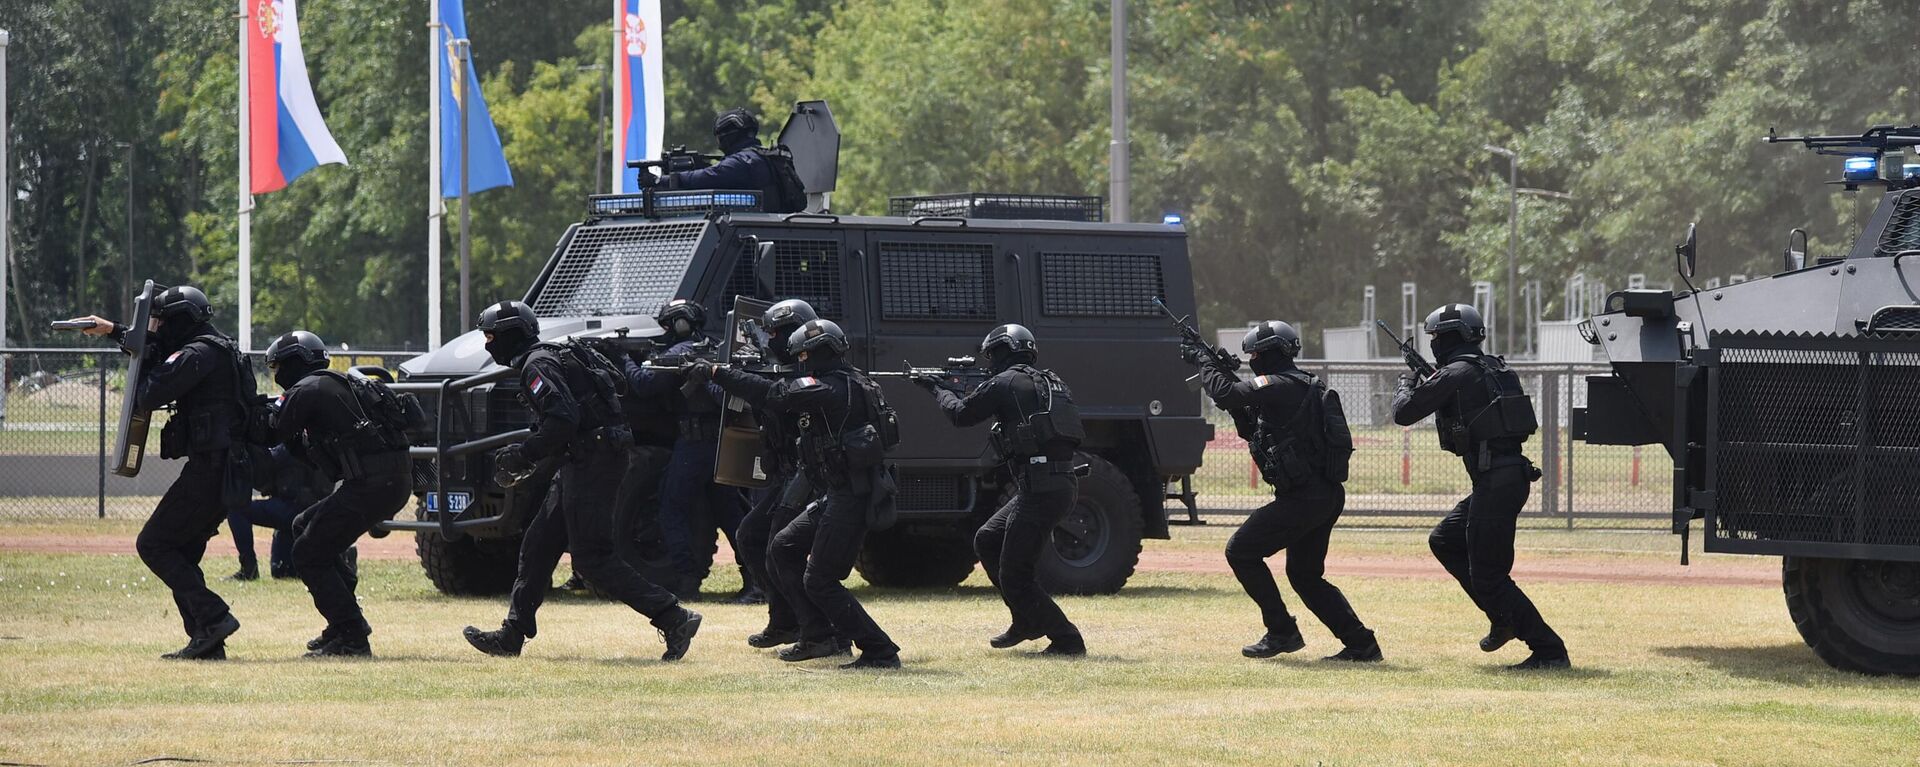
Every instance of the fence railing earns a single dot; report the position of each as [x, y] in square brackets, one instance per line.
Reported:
[58, 406]
[1400, 472]
[58, 415]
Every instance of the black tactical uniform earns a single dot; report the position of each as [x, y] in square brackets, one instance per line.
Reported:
[325, 421]
[1485, 418]
[787, 491]
[692, 505]
[1282, 413]
[831, 403]
[1037, 429]
[578, 422]
[199, 371]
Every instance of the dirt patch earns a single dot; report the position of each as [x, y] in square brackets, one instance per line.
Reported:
[1744, 571]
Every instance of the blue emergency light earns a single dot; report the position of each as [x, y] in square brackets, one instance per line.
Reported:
[1861, 169]
[1172, 219]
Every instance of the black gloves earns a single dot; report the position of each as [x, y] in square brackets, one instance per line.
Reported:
[700, 371]
[928, 381]
[1191, 354]
[512, 459]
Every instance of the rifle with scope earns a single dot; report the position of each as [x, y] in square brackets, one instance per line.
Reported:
[960, 375]
[676, 160]
[1874, 140]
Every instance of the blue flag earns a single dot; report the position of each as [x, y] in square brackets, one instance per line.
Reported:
[488, 164]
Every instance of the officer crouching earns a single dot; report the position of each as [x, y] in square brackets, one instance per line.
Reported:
[1300, 442]
[1037, 429]
[353, 431]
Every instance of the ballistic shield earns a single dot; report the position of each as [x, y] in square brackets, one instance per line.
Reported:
[131, 445]
[741, 461]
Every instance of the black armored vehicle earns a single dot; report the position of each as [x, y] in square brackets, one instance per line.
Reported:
[1791, 407]
[919, 285]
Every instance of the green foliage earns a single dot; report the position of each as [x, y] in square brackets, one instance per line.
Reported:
[1315, 145]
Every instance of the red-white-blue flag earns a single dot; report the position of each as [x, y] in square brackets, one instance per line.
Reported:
[640, 98]
[288, 137]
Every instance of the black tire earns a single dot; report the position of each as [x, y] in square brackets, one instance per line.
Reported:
[468, 566]
[1097, 546]
[1857, 614]
[920, 559]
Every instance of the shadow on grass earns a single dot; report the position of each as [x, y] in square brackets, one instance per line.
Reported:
[1786, 663]
[1577, 673]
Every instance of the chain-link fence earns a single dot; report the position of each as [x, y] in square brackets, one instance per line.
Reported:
[59, 412]
[1401, 476]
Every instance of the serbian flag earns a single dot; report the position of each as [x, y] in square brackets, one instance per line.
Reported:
[288, 137]
[640, 100]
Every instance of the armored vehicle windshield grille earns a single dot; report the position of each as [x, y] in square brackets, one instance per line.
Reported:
[631, 269]
[936, 281]
[1903, 229]
[810, 271]
[1100, 284]
[1817, 445]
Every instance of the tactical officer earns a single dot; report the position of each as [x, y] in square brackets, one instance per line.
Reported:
[787, 490]
[839, 414]
[344, 428]
[1037, 429]
[290, 488]
[747, 165]
[1484, 417]
[1295, 430]
[201, 373]
[573, 394]
[688, 494]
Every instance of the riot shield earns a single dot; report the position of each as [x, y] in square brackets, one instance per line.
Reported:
[131, 445]
[741, 460]
[814, 139]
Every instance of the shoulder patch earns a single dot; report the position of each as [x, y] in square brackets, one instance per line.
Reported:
[539, 385]
[1262, 382]
[807, 381]
[175, 356]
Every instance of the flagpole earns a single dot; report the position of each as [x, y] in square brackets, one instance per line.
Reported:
[619, 164]
[245, 197]
[436, 208]
[462, 53]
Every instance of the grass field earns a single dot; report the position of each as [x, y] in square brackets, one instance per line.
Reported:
[1680, 675]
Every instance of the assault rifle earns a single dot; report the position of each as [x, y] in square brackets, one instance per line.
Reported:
[1190, 338]
[676, 160]
[960, 375]
[1415, 361]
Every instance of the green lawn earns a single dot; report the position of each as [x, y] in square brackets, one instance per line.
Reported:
[1674, 675]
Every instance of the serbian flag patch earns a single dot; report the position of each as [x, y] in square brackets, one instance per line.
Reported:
[174, 356]
[539, 385]
[807, 381]
[1262, 382]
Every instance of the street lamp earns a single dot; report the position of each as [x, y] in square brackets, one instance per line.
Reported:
[1513, 233]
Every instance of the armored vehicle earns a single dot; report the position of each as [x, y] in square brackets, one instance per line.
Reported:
[1791, 407]
[911, 286]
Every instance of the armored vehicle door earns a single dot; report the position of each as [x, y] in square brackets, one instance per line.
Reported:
[932, 292]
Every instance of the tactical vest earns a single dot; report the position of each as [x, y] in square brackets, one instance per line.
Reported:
[1049, 419]
[1287, 453]
[1493, 414]
[839, 455]
[594, 381]
[215, 414]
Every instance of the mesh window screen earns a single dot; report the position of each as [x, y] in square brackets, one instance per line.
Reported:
[1903, 229]
[619, 270]
[740, 282]
[928, 281]
[1099, 284]
[810, 271]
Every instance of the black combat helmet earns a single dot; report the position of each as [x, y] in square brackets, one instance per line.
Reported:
[821, 340]
[294, 355]
[1455, 328]
[1003, 344]
[183, 302]
[1272, 336]
[681, 317]
[735, 129]
[780, 320]
[514, 328]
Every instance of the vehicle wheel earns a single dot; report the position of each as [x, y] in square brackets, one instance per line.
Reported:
[469, 566]
[1857, 614]
[1096, 547]
[920, 559]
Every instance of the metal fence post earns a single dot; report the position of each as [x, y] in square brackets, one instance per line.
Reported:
[1569, 479]
[1550, 442]
[100, 498]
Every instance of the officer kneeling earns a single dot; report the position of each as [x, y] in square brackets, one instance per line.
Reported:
[1036, 431]
[1484, 417]
[1298, 435]
[578, 423]
[352, 430]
